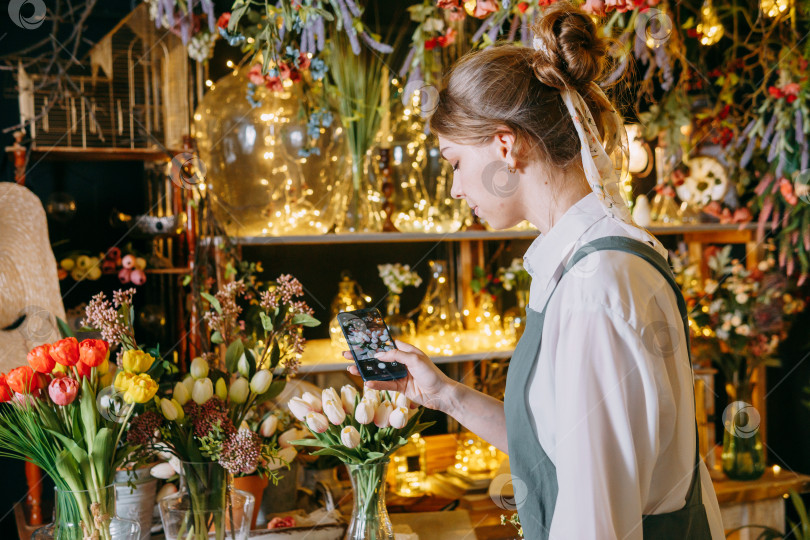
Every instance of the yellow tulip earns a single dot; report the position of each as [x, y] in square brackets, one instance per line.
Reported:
[123, 380]
[142, 389]
[103, 367]
[137, 361]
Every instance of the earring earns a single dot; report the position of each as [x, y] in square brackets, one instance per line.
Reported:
[512, 170]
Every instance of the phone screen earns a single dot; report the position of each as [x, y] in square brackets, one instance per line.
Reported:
[367, 334]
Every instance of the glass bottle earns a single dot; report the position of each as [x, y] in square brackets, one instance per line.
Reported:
[399, 326]
[514, 320]
[743, 454]
[487, 320]
[409, 465]
[439, 323]
[349, 298]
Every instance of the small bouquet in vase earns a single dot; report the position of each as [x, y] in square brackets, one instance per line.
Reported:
[63, 415]
[204, 421]
[362, 432]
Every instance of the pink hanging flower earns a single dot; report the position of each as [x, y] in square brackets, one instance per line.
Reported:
[483, 8]
[594, 7]
[63, 391]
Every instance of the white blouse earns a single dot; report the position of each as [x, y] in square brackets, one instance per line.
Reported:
[611, 394]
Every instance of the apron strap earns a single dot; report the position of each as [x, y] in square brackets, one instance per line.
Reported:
[694, 495]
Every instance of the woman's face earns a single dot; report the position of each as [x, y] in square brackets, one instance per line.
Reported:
[481, 178]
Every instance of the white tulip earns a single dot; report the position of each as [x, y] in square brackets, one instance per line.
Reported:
[162, 470]
[373, 396]
[181, 393]
[313, 400]
[350, 437]
[348, 395]
[334, 411]
[285, 456]
[299, 408]
[291, 434]
[330, 394]
[268, 426]
[317, 422]
[188, 382]
[203, 391]
[168, 409]
[402, 401]
[261, 381]
[242, 366]
[398, 417]
[221, 389]
[240, 388]
[364, 412]
[382, 413]
[199, 368]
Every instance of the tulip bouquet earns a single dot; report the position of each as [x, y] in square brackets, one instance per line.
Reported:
[61, 415]
[362, 432]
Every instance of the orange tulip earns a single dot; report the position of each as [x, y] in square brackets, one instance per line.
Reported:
[5, 391]
[93, 352]
[23, 380]
[40, 359]
[66, 351]
[83, 369]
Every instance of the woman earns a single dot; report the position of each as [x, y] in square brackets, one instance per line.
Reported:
[599, 416]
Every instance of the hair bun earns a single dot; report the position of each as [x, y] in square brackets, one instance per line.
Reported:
[574, 53]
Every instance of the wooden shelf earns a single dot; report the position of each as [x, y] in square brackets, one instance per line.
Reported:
[72, 153]
[320, 357]
[370, 238]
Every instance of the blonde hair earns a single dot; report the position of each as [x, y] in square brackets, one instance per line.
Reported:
[519, 88]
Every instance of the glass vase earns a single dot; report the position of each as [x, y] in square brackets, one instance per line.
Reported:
[486, 323]
[348, 298]
[743, 454]
[87, 514]
[399, 326]
[514, 320]
[439, 324]
[362, 207]
[370, 519]
[206, 506]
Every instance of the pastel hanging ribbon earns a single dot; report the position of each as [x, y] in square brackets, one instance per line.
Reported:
[605, 164]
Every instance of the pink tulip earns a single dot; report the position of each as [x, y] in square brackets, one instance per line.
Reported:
[63, 391]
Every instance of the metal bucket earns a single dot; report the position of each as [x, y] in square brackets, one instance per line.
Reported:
[138, 504]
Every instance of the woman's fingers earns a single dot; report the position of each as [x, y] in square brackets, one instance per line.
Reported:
[383, 385]
[406, 347]
[353, 370]
[396, 355]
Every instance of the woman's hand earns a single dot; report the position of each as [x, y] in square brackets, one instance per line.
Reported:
[425, 384]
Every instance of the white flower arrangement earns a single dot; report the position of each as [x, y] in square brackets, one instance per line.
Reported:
[514, 276]
[397, 276]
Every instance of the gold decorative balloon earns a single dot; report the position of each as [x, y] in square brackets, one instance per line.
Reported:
[258, 174]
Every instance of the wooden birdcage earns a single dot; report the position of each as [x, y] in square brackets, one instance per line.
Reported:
[134, 90]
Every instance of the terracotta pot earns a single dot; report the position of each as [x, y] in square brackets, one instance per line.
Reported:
[255, 485]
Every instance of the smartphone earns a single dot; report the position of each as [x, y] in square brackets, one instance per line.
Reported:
[367, 334]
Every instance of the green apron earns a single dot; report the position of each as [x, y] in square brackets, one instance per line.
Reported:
[529, 462]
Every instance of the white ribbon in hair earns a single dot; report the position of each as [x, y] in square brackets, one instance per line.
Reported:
[604, 165]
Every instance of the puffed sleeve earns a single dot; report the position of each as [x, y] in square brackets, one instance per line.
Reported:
[607, 411]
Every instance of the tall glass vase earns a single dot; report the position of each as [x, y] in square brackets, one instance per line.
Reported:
[206, 506]
[362, 208]
[439, 323]
[743, 454]
[87, 514]
[370, 519]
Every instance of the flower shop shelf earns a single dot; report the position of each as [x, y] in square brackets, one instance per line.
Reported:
[362, 238]
[77, 153]
[321, 357]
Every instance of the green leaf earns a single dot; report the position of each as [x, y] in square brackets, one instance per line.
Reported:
[305, 319]
[233, 354]
[340, 454]
[375, 455]
[275, 354]
[216, 337]
[213, 301]
[186, 280]
[251, 360]
[88, 412]
[103, 452]
[309, 442]
[267, 322]
[64, 329]
[275, 389]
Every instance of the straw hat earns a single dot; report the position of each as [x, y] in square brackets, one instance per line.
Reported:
[29, 286]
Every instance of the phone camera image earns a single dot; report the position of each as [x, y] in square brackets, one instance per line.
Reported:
[367, 335]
